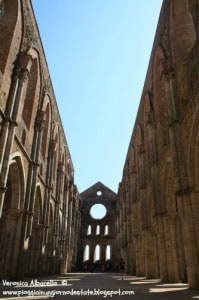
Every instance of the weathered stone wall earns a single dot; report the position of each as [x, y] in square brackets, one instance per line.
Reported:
[158, 201]
[39, 202]
[97, 233]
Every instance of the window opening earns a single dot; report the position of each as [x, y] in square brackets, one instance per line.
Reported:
[86, 253]
[98, 211]
[106, 230]
[89, 230]
[97, 253]
[108, 252]
[98, 230]
[99, 193]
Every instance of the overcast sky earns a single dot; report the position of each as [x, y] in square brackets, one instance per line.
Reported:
[97, 53]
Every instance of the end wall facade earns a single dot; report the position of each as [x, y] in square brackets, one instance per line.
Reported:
[96, 246]
[158, 199]
[39, 202]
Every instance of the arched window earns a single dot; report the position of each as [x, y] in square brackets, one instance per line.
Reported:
[106, 230]
[89, 230]
[46, 130]
[108, 252]
[29, 100]
[86, 253]
[97, 253]
[98, 230]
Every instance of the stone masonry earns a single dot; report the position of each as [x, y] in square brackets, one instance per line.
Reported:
[158, 198]
[39, 202]
[46, 226]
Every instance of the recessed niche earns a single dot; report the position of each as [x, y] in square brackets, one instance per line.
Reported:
[98, 211]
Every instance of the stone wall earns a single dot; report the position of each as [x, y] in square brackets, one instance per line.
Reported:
[157, 226]
[39, 202]
[97, 252]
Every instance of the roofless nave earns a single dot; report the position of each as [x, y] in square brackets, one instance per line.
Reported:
[152, 223]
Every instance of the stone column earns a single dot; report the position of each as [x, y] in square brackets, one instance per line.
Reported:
[175, 263]
[161, 249]
[190, 241]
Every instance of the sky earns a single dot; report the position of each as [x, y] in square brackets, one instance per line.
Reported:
[97, 53]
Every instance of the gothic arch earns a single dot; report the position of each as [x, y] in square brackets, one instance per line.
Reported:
[11, 220]
[55, 148]
[172, 228]
[11, 33]
[108, 252]
[86, 255]
[47, 108]
[16, 181]
[97, 253]
[32, 91]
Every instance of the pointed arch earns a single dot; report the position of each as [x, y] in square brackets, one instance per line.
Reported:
[97, 253]
[98, 230]
[32, 91]
[16, 182]
[89, 230]
[11, 34]
[47, 108]
[11, 219]
[86, 256]
[108, 253]
[106, 230]
[56, 148]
